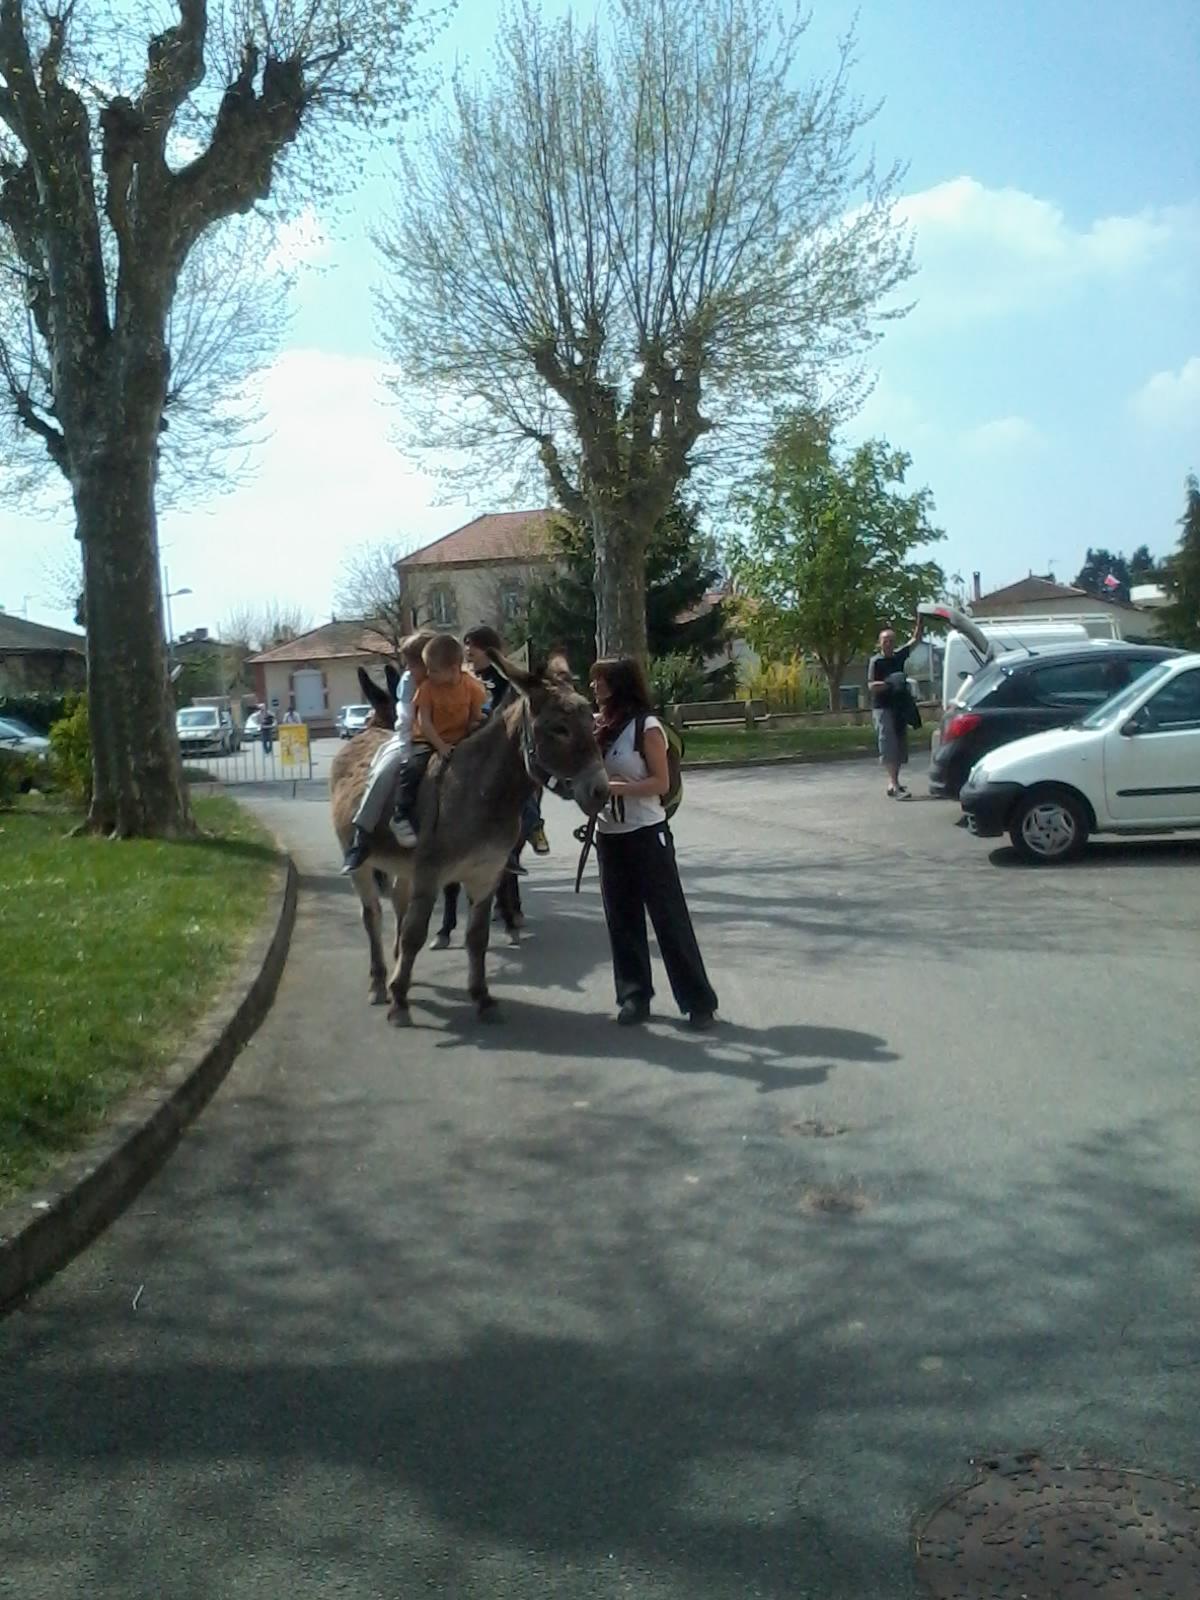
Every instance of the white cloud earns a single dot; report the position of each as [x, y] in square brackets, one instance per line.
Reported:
[987, 251]
[301, 241]
[327, 478]
[1171, 399]
[1003, 436]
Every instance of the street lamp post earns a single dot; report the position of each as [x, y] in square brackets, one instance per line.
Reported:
[170, 594]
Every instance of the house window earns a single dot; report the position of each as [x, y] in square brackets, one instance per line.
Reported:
[512, 602]
[442, 607]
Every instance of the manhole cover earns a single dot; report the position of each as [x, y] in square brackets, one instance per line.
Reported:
[831, 1202]
[814, 1128]
[1027, 1531]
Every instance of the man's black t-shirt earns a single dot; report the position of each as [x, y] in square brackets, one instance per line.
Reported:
[881, 668]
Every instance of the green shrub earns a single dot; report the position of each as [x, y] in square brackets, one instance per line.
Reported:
[71, 750]
[17, 774]
[40, 711]
[676, 678]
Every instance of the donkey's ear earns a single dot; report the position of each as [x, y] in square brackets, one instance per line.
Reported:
[517, 676]
[378, 697]
[393, 680]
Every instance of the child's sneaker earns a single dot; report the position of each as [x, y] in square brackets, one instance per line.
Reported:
[539, 841]
[404, 833]
[357, 851]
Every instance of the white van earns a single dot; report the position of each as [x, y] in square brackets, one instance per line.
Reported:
[963, 656]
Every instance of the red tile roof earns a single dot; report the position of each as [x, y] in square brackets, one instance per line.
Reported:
[499, 536]
[334, 639]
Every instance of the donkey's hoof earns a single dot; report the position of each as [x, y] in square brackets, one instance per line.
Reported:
[399, 1016]
[488, 1008]
[378, 995]
[513, 935]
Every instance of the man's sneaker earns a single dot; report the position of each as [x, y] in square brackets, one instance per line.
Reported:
[357, 851]
[404, 833]
[539, 841]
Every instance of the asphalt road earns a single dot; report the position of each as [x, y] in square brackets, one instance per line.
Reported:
[557, 1309]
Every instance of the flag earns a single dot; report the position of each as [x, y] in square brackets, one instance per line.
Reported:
[1111, 583]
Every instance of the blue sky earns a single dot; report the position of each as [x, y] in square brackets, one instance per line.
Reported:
[1047, 385]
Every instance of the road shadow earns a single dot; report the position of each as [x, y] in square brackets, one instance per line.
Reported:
[786, 1056]
[1110, 854]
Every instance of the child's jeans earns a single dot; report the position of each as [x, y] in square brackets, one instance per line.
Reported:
[387, 764]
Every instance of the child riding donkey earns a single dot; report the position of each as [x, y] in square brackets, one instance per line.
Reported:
[438, 704]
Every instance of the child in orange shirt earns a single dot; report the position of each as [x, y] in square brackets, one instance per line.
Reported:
[447, 707]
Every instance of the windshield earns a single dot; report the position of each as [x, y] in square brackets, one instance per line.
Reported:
[1112, 709]
[14, 728]
[359, 711]
[196, 717]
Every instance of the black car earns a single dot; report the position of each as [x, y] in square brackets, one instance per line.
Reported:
[1027, 692]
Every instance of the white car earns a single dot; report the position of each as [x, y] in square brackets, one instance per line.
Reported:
[1131, 767]
[353, 719]
[205, 729]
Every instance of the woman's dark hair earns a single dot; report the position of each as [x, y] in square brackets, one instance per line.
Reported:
[486, 638]
[626, 680]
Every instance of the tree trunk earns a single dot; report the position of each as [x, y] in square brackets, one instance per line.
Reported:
[834, 672]
[137, 780]
[620, 589]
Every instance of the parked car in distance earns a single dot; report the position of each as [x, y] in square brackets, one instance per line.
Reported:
[204, 730]
[1132, 766]
[1024, 692]
[21, 739]
[252, 728]
[353, 720]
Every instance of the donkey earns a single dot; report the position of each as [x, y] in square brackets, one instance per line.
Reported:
[468, 817]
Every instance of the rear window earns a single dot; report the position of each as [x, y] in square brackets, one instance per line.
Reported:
[985, 682]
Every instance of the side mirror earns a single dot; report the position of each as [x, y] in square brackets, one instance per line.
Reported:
[1131, 729]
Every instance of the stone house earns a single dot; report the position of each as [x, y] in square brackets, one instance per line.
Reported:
[317, 672]
[1036, 596]
[480, 573]
[38, 660]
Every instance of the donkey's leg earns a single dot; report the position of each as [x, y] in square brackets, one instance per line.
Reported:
[413, 930]
[479, 928]
[399, 906]
[372, 920]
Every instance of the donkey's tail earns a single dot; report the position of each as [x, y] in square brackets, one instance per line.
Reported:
[381, 880]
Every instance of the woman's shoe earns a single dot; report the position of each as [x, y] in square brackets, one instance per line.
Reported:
[633, 1012]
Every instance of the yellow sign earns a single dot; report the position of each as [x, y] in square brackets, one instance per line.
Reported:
[293, 744]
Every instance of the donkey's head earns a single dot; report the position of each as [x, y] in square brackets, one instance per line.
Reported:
[558, 733]
[383, 701]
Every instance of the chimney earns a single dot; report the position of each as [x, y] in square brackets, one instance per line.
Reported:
[976, 587]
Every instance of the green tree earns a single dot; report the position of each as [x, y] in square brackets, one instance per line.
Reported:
[827, 557]
[127, 136]
[1101, 564]
[1181, 577]
[1143, 568]
[682, 570]
[617, 243]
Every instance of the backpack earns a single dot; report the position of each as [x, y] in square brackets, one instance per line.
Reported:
[675, 749]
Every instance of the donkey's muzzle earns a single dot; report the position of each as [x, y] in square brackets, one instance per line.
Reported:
[590, 790]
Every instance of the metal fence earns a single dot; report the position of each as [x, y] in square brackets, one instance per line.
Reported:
[290, 762]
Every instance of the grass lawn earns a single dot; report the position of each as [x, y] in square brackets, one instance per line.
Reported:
[108, 951]
[739, 744]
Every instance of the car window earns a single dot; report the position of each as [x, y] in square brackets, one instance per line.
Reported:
[1077, 685]
[982, 686]
[1176, 705]
[1111, 709]
[14, 728]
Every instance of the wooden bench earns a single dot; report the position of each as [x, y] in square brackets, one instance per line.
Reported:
[717, 713]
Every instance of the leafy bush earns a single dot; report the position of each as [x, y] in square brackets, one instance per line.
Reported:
[675, 678]
[71, 750]
[788, 685]
[40, 711]
[17, 774]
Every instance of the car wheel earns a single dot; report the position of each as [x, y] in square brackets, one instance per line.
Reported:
[1049, 826]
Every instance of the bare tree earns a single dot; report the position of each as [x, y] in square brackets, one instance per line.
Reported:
[110, 175]
[626, 240]
[227, 321]
[367, 587]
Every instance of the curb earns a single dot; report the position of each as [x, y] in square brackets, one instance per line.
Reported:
[95, 1185]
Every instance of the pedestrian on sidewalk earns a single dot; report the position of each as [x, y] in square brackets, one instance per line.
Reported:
[638, 871]
[892, 704]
